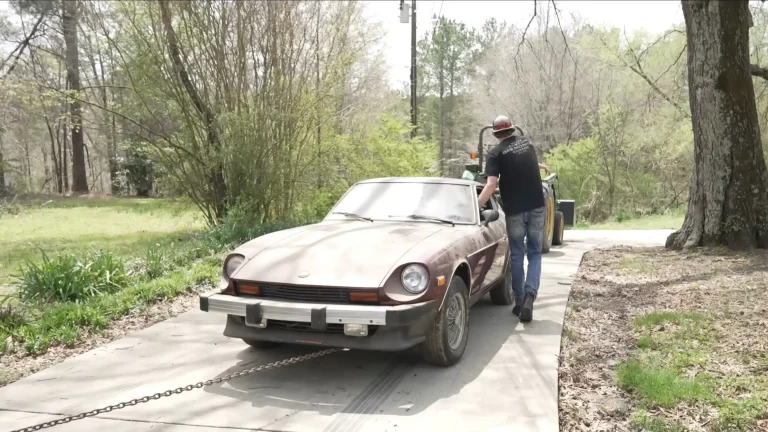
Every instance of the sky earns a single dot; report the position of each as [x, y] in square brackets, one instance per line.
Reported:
[654, 16]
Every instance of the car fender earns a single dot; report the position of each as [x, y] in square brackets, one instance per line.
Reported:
[456, 266]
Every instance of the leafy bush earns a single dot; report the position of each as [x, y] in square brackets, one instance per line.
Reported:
[68, 278]
[622, 217]
[234, 232]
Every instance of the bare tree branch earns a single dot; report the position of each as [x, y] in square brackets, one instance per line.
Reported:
[679, 56]
[638, 69]
[562, 32]
[23, 45]
[759, 71]
[522, 40]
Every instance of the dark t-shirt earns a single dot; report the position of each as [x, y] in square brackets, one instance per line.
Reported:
[515, 163]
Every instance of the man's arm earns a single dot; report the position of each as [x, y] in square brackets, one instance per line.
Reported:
[488, 190]
[545, 168]
[492, 171]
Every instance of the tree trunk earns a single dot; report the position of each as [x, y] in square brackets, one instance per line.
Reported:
[46, 167]
[2, 164]
[28, 158]
[69, 27]
[218, 197]
[56, 164]
[101, 80]
[65, 164]
[727, 203]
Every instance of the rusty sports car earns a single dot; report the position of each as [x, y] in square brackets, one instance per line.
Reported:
[396, 263]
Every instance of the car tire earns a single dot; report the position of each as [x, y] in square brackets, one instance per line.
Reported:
[444, 347]
[559, 229]
[260, 344]
[549, 210]
[501, 294]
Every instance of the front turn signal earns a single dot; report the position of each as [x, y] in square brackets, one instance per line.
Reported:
[248, 289]
[364, 297]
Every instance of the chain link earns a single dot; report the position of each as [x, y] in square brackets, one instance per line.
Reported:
[156, 396]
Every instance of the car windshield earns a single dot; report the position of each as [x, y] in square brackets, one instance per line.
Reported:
[408, 201]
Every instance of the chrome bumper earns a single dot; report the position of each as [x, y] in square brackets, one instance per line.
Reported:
[319, 315]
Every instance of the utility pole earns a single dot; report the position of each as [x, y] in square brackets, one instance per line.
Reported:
[319, 136]
[414, 100]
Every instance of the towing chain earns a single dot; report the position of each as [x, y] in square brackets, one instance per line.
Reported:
[273, 365]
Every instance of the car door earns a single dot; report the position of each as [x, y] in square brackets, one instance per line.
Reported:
[498, 231]
[488, 259]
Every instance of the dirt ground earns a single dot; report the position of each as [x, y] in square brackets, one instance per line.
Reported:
[658, 340]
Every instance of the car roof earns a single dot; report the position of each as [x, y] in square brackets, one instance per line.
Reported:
[440, 180]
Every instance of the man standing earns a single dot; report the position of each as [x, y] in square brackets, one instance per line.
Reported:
[513, 167]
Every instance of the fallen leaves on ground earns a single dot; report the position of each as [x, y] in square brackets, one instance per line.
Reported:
[697, 319]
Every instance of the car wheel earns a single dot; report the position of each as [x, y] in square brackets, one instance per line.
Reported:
[559, 229]
[502, 295]
[260, 344]
[447, 336]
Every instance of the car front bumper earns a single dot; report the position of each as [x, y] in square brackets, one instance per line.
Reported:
[394, 328]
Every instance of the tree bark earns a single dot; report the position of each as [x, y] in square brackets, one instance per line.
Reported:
[727, 203]
[69, 26]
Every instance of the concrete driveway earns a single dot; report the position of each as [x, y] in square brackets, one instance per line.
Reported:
[507, 380]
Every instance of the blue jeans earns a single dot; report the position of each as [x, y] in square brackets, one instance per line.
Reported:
[531, 225]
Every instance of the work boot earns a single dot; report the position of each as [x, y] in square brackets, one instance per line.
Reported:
[516, 310]
[526, 312]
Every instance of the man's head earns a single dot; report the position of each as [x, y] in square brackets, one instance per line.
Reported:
[502, 127]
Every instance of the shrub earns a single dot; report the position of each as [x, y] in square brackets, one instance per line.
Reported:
[233, 233]
[623, 217]
[68, 278]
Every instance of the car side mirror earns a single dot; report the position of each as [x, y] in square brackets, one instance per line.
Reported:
[489, 216]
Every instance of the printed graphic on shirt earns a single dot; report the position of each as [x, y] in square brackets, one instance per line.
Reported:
[515, 163]
[517, 147]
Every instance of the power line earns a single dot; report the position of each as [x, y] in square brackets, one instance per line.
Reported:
[434, 28]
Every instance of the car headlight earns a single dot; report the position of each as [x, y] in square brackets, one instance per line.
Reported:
[415, 279]
[231, 264]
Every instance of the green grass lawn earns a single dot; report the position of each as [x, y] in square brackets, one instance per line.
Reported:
[125, 226]
[151, 250]
[671, 220]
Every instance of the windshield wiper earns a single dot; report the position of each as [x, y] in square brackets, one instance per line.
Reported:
[427, 218]
[354, 216]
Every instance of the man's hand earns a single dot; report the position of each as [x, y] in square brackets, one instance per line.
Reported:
[488, 190]
[545, 168]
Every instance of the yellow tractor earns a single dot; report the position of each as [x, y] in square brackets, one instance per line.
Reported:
[559, 212]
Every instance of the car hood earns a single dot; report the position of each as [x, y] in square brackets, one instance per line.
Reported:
[340, 254]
